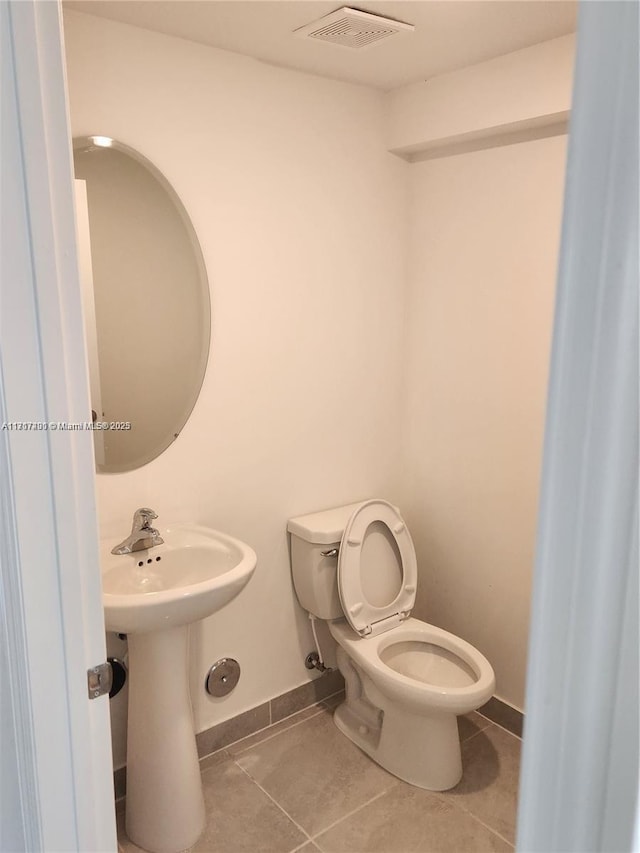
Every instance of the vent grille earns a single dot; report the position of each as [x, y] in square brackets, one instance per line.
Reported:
[353, 29]
[344, 33]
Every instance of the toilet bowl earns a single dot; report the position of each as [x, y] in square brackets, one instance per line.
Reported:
[406, 681]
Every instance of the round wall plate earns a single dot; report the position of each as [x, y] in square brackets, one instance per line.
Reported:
[222, 677]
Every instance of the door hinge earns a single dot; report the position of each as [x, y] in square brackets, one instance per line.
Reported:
[99, 680]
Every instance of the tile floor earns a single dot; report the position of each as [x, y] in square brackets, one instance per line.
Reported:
[302, 786]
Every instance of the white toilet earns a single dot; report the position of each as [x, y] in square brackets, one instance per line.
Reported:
[406, 681]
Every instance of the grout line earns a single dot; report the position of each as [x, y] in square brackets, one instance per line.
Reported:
[295, 713]
[263, 729]
[274, 734]
[498, 726]
[352, 812]
[481, 822]
[457, 803]
[475, 734]
[277, 804]
[331, 695]
[300, 846]
[222, 758]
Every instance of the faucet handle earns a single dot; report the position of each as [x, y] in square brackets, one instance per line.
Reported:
[142, 517]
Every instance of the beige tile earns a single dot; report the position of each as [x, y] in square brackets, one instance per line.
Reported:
[332, 702]
[489, 786]
[241, 818]
[232, 730]
[264, 734]
[408, 819]
[504, 715]
[471, 724]
[124, 845]
[120, 782]
[214, 759]
[315, 773]
[307, 694]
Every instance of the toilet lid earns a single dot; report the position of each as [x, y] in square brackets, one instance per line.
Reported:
[377, 569]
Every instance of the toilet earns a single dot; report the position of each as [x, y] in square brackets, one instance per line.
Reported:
[406, 681]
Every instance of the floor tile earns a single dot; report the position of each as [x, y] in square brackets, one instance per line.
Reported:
[248, 742]
[408, 819]
[315, 773]
[213, 759]
[489, 786]
[320, 781]
[124, 845]
[471, 724]
[241, 818]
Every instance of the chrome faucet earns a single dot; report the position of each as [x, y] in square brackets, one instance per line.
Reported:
[142, 535]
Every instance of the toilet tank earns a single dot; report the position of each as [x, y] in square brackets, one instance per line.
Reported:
[314, 576]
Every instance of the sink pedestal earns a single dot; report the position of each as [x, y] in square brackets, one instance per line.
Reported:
[153, 597]
[165, 806]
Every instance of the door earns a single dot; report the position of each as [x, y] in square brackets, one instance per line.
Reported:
[579, 783]
[55, 751]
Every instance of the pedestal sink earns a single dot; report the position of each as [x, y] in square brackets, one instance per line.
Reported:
[153, 596]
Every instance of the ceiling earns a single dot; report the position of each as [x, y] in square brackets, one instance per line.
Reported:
[449, 34]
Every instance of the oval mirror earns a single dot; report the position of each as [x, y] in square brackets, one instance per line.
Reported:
[146, 303]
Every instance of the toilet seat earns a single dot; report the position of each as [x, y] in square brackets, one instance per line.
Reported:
[366, 618]
[412, 692]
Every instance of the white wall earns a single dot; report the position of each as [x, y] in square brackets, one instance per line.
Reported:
[300, 212]
[318, 245]
[525, 89]
[485, 231]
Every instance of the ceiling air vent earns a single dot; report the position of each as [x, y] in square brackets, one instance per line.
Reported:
[353, 29]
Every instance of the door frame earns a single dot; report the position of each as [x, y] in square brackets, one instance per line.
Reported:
[56, 768]
[579, 781]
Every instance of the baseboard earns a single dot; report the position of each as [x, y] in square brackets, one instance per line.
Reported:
[504, 715]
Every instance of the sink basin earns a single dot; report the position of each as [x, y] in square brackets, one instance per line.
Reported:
[192, 575]
[153, 596]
